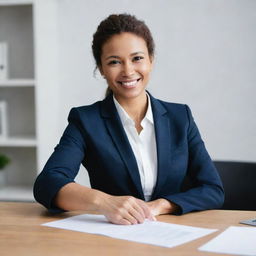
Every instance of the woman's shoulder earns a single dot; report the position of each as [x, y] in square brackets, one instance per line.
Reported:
[171, 106]
[88, 108]
[84, 111]
[177, 111]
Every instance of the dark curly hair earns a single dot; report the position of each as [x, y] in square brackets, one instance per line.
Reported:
[116, 24]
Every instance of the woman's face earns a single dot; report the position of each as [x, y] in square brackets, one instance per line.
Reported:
[126, 65]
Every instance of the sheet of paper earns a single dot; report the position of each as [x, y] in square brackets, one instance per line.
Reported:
[234, 240]
[150, 232]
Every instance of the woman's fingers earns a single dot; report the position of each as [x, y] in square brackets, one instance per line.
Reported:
[131, 211]
[125, 210]
[123, 222]
[147, 213]
[137, 214]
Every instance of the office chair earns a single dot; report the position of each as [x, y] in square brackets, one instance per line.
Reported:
[239, 181]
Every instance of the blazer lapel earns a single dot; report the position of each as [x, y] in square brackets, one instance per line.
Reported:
[163, 143]
[117, 132]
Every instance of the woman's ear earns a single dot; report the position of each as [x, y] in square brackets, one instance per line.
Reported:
[152, 60]
[100, 69]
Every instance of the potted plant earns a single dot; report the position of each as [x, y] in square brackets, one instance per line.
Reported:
[4, 160]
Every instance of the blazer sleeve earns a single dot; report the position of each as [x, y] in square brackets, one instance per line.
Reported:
[207, 189]
[63, 165]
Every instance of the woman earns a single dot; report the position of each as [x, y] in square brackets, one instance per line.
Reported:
[138, 150]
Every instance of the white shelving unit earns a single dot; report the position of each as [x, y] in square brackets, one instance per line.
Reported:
[17, 83]
[31, 91]
[18, 142]
[18, 91]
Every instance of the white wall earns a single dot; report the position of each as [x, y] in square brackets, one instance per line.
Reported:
[205, 57]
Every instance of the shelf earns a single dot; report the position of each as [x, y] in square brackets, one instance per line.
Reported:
[17, 83]
[15, 2]
[16, 193]
[18, 142]
[18, 91]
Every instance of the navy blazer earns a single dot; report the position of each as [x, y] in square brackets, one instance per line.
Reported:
[96, 138]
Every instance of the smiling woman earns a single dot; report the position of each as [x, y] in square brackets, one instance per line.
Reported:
[126, 66]
[138, 150]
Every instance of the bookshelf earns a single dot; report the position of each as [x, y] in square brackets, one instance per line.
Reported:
[17, 90]
[31, 92]
[17, 83]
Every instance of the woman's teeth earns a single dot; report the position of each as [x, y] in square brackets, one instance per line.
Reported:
[130, 83]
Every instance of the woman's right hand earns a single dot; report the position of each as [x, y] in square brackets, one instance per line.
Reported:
[124, 210]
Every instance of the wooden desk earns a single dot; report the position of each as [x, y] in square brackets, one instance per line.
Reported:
[21, 234]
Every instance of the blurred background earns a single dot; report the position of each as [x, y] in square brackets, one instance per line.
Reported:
[205, 57]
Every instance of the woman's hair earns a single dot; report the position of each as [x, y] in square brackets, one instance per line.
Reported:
[117, 24]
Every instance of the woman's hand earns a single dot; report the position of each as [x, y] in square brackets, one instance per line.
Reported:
[161, 206]
[124, 210]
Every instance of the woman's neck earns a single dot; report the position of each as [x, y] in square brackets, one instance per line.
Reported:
[136, 108]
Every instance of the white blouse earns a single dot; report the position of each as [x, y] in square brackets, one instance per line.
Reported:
[143, 146]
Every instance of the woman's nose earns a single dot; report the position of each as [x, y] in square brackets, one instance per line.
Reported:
[128, 69]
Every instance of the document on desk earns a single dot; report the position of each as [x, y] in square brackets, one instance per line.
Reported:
[149, 232]
[234, 240]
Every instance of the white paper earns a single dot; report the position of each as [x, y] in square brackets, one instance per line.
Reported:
[234, 240]
[150, 232]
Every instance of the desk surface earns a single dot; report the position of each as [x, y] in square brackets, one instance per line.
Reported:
[21, 233]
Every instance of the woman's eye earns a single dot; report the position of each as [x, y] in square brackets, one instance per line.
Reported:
[138, 58]
[113, 62]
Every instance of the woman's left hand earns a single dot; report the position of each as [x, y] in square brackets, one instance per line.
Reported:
[161, 206]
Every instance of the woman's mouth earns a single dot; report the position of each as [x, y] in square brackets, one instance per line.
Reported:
[130, 83]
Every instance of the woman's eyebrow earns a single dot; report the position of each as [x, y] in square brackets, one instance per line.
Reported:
[112, 56]
[117, 57]
[135, 53]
